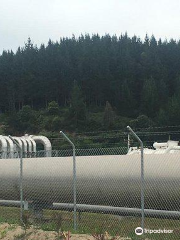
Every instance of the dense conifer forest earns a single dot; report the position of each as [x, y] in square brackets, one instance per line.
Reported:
[90, 83]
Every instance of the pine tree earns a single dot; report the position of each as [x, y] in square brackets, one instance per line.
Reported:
[150, 97]
[109, 115]
[77, 111]
[127, 102]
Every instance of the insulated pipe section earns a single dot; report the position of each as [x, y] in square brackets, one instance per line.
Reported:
[121, 211]
[24, 146]
[33, 146]
[167, 147]
[101, 180]
[172, 148]
[18, 140]
[3, 147]
[20, 144]
[157, 145]
[46, 143]
[10, 146]
[29, 145]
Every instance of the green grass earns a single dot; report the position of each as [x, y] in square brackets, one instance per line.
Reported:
[10, 215]
[91, 223]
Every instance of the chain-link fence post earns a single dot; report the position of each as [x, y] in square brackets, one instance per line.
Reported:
[128, 142]
[142, 174]
[21, 177]
[74, 179]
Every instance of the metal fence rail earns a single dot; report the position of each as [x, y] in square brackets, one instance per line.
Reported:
[69, 152]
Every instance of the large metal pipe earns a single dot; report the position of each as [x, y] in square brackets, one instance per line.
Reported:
[10, 145]
[29, 144]
[33, 144]
[45, 142]
[4, 147]
[121, 211]
[15, 148]
[101, 180]
[24, 146]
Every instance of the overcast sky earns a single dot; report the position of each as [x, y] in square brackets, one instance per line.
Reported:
[44, 19]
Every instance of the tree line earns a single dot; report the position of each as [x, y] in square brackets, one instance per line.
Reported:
[119, 76]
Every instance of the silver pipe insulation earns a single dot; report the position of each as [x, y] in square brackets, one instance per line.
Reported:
[45, 142]
[121, 211]
[3, 146]
[101, 180]
[10, 146]
[28, 144]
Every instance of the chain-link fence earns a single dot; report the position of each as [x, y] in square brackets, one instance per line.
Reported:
[108, 192]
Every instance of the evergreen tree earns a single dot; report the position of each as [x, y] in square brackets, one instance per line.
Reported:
[150, 97]
[77, 110]
[174, 110]
[127, 102]
[109, 115]
[53, 108]
[163, 118]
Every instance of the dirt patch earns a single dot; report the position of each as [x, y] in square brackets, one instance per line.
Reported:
[14, 232]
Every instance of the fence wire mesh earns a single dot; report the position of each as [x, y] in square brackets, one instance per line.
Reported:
[106, 177]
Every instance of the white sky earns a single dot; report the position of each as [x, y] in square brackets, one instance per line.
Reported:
[44, 19]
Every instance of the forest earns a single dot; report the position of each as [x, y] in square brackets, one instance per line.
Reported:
[90, 83]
